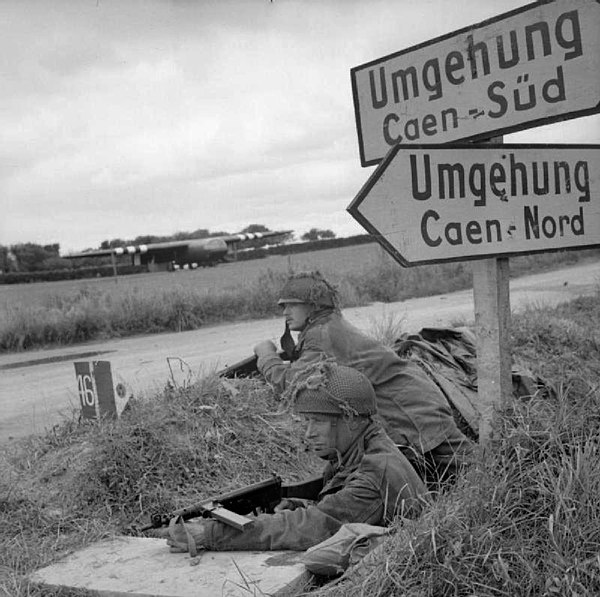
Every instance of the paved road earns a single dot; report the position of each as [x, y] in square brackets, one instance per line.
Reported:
[38, 388]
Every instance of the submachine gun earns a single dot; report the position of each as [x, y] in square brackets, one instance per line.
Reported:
[232, 508]
[247, 367]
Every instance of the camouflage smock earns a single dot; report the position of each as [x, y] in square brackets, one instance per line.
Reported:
[372, 483]
[411, 408]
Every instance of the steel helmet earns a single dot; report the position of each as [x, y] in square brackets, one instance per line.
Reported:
[310, 288]
[331, 389]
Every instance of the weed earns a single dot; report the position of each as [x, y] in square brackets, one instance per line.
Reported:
[97, 311]
[388, 328]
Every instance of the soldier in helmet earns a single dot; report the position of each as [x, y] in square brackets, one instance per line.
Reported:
[411, 408]
[366, 479]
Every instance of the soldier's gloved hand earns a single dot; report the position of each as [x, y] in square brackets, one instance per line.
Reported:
[290, 504]
[265, 348]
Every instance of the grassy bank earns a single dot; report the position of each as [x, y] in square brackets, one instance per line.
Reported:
[523, 521]
[98, 312]
[85, 481]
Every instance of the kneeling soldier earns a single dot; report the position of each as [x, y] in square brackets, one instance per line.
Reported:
[367, 479]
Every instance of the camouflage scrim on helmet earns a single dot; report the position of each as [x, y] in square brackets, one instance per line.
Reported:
[310, 288]
[332, 389]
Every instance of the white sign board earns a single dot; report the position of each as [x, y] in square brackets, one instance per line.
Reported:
[434, 203]
[531, 66]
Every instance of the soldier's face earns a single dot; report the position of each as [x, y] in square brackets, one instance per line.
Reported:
[296, 315]
[326, 434]
[320, 434]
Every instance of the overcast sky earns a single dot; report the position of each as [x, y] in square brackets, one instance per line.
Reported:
[120, 117]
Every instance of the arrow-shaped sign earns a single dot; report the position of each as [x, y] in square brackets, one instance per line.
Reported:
[528, 67]
[434, 203]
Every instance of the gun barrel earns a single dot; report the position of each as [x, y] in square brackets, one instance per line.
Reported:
[246, 367]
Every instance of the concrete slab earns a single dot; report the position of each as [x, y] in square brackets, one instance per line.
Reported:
[144, 567]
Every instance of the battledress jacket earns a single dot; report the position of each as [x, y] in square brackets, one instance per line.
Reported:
[411, 408]
[371, 484]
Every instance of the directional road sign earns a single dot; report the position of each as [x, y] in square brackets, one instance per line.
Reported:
[531, 66]
[433, 203]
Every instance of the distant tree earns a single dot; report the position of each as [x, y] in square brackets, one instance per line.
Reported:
[200, 233]
[11, 258]
[181, 236]
[317, 234]
[253, 228]
[57, 262]
[30, 257]
[145, 239]
[53, 249]
[4, 262]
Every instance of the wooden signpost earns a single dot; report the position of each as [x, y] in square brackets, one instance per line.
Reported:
[433, 203]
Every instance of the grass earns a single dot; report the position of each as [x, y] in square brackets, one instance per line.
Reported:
[63, 313]
[523, 521]
[86, 481]
[387, 328]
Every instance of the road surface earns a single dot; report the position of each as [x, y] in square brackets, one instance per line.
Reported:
[38, 388]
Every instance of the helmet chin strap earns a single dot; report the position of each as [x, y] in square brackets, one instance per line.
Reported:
[334, 454]
[287, 344]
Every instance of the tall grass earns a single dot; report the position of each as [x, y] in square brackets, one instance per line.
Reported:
[525, 519]
[93, 314]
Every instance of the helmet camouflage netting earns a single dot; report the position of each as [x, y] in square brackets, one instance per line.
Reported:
[310, 288]
[328, 388]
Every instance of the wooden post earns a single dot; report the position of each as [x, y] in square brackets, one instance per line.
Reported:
[491, 298]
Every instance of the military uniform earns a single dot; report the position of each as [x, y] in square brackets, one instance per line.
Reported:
[371, 484]
[411, 408]
[367, 479]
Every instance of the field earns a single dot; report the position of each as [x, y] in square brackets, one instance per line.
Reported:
[70, 311]
[225, 277]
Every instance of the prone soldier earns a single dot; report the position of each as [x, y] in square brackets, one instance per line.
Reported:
[366, 479]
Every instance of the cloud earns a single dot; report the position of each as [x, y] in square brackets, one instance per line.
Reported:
[129, 117]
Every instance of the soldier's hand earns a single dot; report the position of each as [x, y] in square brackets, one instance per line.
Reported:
[182, 535]
[265, 348]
